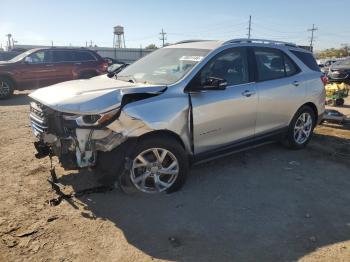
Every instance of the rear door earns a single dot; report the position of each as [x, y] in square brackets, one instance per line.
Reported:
[221, 117]
[280, 88]
[86, 64]
[63, 61]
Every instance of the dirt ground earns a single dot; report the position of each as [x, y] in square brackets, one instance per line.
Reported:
[267, 204]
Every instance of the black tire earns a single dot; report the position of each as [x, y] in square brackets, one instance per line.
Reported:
[6, 87]
[291, 140]
[339, 102]
[172, 145]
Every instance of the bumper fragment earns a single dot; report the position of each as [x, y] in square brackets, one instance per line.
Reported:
[42, 149]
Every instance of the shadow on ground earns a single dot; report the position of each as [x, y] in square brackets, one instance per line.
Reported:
[269, 204]
[16, 100]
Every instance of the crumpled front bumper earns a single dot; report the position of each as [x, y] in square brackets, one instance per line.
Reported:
[78, 151]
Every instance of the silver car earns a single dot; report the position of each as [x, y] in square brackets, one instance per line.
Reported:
[180, 105]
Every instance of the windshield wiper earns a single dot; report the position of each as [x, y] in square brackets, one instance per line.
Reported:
[128, 78]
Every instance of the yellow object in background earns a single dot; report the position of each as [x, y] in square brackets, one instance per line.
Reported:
[337, 87]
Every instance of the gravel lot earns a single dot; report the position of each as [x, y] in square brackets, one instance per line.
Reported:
[267, 204]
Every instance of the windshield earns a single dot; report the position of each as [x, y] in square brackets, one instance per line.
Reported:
[163, 67]
[20, 57]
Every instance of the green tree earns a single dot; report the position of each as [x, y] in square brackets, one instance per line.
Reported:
[151, 46]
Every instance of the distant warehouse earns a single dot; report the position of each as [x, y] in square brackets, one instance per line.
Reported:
[127, 55]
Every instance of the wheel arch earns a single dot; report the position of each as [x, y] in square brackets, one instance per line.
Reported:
[9, 77]
[312, 106]
[165, 133]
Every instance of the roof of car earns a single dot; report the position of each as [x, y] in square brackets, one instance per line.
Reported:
[61, 48]
[197, 44]
[213, 44]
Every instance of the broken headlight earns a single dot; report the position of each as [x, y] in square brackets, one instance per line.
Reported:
[91, 120]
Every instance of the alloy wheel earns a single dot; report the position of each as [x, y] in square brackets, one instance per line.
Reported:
[4, 88]
[303, 128]
[154, 170]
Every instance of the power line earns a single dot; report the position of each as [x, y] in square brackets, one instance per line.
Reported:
[249, 26]
[162, 37]
[312, 30]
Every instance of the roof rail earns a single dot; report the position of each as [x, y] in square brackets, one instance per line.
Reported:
[261, 41]
[190, 41]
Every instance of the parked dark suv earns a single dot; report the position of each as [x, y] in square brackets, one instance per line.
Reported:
[340, 71]
[46, 66]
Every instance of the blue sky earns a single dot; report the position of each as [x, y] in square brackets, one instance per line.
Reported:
[75, 22]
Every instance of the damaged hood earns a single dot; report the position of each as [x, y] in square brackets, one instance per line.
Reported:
[90, 96]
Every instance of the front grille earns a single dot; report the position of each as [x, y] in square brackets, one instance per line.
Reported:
[38, 118]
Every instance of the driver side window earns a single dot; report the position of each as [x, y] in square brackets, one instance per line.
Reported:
[230, 65]
[39, 57]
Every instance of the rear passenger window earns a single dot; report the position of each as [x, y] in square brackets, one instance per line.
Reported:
[307, 59]
[84, 56]
[59, 56]
[273, 64]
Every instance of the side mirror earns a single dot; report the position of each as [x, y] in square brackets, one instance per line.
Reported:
[28, 60]
[214, 83]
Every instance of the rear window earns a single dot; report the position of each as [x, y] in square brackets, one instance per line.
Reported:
[84, 56]
[307, 59]
[273, 64]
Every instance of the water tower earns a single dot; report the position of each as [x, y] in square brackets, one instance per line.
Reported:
[118, 37]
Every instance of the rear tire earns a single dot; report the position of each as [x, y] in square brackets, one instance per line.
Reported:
[6, 87]
[301, 128]
[339, 102]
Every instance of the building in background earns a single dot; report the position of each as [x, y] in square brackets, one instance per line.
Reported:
[126, 55]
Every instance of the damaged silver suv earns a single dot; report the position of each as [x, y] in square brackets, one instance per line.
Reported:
[180, 105]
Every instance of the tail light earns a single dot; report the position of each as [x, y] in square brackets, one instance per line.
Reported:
[324, 79]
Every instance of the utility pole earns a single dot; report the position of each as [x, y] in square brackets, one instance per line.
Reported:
[250, 26]
[90, 43]
[8, 41]
[312, 30]
[346, 49]
[13, 43]
[162, 36]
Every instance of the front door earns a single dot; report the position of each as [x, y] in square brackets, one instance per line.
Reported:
[221, 117]
[37, 70]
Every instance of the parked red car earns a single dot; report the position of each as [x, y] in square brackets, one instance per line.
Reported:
[46, 66]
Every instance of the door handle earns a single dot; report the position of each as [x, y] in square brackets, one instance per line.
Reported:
[248, 93]
[49, 65]
[77, 63]
[295, 83]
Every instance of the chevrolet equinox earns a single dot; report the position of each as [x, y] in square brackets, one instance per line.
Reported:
[182, 104]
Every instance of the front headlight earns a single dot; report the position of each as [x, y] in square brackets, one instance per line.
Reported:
[91, 120]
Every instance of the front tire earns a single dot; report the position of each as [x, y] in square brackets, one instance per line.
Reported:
[301, 128]
[159, 164]
[6, 88]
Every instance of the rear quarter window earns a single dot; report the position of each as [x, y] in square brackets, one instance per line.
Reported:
[307, 59]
